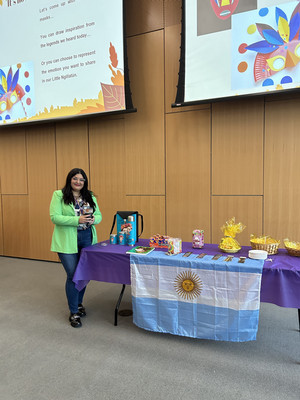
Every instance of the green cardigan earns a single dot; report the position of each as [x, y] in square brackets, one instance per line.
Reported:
[64, 238]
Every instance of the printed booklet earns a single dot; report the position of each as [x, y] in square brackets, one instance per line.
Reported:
[140, 250]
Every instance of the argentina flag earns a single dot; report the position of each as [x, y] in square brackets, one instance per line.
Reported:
[199, 298]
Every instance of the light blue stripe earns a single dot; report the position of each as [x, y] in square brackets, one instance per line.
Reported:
[160, 258]
[195, 320]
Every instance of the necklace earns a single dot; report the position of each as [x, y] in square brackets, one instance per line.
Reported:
[77, 197]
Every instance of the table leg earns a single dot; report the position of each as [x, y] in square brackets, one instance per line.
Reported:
[118, 304]
[299, 318]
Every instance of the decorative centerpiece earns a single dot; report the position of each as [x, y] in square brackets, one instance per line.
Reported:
[174, 246]
[265, 242]
[160, 241]
[228, 244]
[198, 238]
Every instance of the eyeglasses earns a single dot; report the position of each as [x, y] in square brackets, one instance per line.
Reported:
[78, 180]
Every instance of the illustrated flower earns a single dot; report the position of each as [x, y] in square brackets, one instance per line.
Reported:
[280, 48]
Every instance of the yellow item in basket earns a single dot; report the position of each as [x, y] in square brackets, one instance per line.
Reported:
[228, 243]
[291, 245]
[230, 229]
[263, 239]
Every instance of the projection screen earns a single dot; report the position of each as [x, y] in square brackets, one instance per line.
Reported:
[62, 59]
[238, 48]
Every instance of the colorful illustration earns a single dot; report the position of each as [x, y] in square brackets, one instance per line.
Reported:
[16, 91]
[113, 95]
[110, 98]
[281, 46]
[224, 8]
[277, 54]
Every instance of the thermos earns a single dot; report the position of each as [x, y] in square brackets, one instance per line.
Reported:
[130, 235]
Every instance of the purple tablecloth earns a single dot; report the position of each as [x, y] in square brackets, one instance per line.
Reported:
[280, 280]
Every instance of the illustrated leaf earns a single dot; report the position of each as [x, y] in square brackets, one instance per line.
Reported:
[15, 80]
[117, 78]
[262, 47]
[113, 96]
[284, 29]
[9, 79]
[113, 56]
[93, 109]
[294, 25]
[272, 37]
[4, 83]
[262, 27]
[280, 14]
[296, 10]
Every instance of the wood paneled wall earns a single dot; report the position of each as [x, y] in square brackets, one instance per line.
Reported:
[185, 168]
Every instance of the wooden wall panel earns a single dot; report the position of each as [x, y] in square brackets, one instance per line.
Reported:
[41, 184]
[41, 159]
[245, 209]
[16, 225]
[143, 16]
[72, 148]
[144, 130]
[108, 169]
[153, 210]
[188, 173]
[282, 167]
[237, 147]
[1, 228]
[172, 12]
[172, 50]
[13, 169]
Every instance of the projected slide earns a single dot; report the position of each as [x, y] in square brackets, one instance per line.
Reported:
[60, 59]
[240, 47]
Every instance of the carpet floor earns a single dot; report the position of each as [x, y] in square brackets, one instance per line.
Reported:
[44, 358]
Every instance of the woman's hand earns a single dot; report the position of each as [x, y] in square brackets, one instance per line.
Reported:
[86, 219]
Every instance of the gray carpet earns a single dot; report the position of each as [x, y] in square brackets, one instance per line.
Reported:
[43, 358]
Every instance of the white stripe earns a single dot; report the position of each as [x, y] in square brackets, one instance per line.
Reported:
[234, 290]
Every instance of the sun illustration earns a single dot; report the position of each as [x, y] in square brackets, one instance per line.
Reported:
[188, 285]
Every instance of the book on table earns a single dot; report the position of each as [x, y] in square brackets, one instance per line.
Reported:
[142, 250]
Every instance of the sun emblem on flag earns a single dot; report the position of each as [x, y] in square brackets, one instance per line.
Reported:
[188, 285]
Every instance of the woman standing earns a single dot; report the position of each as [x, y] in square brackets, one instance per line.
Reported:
[75, 212]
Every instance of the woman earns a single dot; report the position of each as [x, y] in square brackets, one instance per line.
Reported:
[74, 229]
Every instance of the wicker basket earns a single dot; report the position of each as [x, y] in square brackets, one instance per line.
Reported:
[292, 251]
[271, 248]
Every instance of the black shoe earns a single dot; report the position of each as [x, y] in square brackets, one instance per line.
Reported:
[81, 311]
[75, 320]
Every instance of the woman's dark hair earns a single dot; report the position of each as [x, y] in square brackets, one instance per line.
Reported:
[86, 194]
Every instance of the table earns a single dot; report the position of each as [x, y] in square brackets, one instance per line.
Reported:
[280, 279]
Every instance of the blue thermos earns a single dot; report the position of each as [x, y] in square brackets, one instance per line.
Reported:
[130, 235]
